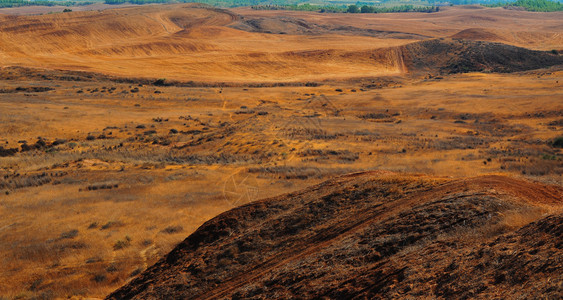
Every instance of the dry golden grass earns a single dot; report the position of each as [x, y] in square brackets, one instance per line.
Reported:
[177, 185]
[82, 217]
[188, 43]
[542, 31]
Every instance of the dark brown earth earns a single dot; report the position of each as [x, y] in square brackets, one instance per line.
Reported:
[373, 235]
[463, 55]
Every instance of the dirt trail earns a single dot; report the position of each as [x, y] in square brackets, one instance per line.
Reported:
[143, 255]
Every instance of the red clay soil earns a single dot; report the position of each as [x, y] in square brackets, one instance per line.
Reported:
[373, 235]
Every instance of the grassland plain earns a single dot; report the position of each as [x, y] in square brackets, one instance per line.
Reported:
[114, 167]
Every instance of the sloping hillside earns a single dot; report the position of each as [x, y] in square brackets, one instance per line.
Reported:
[375, 235]
[458, 55]
[184, 42]
[190, 42]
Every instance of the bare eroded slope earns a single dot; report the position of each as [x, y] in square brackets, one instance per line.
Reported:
[373, 235]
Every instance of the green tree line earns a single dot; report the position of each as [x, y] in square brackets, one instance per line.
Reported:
[135, 1]
[18, 3]
[532, 5]
[349, 9]
[220, 3]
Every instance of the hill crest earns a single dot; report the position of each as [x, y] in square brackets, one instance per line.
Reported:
[371, 235]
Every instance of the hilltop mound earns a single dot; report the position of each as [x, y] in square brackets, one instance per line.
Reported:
[478, 34]
[373, 235]
[459, 55]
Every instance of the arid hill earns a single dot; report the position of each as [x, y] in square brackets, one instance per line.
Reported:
[459, 56]
[191, 42]
[375, 235]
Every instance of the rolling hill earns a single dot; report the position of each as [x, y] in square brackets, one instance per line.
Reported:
[374, 235]
[191, 42]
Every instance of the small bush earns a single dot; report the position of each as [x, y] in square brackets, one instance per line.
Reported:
[121, 244]
[136, 272]
[112, 268]
[102, 186]
[172, 229]
[111, 224]
[94, 259]
[558, 142]
[7, 152]
[69, 234]
[160, 82]
[59, 142]
[99, 278]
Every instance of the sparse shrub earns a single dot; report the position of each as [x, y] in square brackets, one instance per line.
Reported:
[343, 155]
[558, 142]
[121, 244]
[136, 272]
[112, 268]
[8, 152]
[99, 278]
[111, 224]
[40, 144]
[69, 234]
[102, 186]
[35, 284]
[160, 82]
[172, 229]
[27, 181]
[94, 259]
[375, 116]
